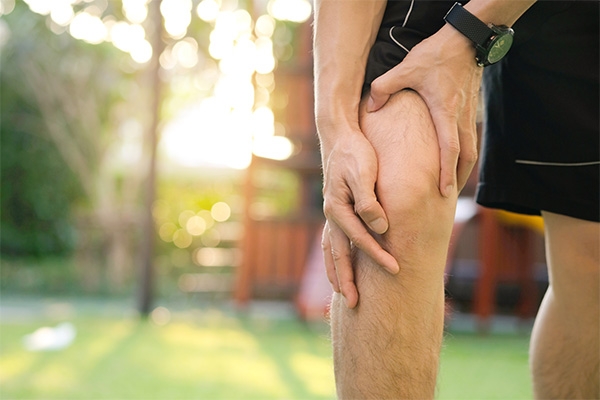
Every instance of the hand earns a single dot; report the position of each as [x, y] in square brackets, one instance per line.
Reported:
[442, 69]
[351, 207]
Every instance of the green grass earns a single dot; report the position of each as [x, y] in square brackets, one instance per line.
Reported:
[215, 354]
[485, 367]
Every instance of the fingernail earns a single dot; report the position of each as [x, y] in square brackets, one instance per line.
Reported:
[448, 191]
[379, 225]
[370, 105]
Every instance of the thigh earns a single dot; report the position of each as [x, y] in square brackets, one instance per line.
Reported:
[573, 256]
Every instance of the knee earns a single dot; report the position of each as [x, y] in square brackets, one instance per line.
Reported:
[420, 219]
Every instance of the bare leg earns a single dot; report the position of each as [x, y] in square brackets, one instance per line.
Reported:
[388, 346]
[565, 350]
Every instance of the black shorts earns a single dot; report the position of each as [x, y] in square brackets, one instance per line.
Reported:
[541, 148]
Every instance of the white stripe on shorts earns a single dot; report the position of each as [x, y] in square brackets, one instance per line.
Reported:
[557, 164]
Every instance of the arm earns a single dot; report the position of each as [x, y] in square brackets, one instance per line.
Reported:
[344, 34]
[443, 71]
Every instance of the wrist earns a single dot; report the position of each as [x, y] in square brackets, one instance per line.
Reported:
[491, 42]
[498, 12]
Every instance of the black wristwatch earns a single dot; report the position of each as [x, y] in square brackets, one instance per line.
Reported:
[492, 42]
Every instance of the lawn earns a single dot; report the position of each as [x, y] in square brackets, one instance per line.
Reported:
[213, 352]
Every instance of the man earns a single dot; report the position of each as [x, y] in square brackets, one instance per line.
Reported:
[396, 90]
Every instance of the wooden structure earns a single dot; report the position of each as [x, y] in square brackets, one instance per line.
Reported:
[275, 248]
[505, 248]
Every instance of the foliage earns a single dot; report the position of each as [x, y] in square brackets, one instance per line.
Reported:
[62, 104]
[37, 186]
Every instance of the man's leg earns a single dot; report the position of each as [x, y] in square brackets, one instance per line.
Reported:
[388, 346]
[565, 351]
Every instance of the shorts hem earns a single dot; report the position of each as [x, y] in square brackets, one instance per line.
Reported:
[505, 198]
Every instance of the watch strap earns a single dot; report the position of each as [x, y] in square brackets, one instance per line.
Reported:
[468, 24]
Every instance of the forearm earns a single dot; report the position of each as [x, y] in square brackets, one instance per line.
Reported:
[343, 36]
[499, 12]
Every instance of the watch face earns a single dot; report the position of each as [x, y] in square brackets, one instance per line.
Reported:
[499, 47]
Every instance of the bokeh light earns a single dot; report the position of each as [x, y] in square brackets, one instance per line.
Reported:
[220, 211]
[88, 27]
[160, 316]
[166, 231]
[196, 225]
[136, 11]
[290, 10]
[182, 239]
[6, 6]
[177, 16]
[226, 128]
[208, 10]
[215, 257]
[211, 238]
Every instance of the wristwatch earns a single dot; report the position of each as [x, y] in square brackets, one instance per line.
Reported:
[492, 42]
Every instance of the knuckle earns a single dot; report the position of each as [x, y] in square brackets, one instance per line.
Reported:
[453, 146]
[377, 86]
[470, 156]
[328, 209]
[325, 245]
[337, 255]
[357, 240]
[365, 206]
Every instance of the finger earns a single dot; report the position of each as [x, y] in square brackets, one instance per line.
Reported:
[384, 86]
[328, 258]
[467, 133]
[370, 211]
[354, 230]
[468, 154]
[340, 251]
[463, 172]
[447, 132]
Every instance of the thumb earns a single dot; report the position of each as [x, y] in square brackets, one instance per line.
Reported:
[383, 87]
[371, 212]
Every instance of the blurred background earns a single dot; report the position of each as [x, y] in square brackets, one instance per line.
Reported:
[161, 213]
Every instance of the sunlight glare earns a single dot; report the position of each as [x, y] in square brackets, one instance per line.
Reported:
[136, 11]
[125, 36]
[185, 52]
[141, 52]
[264, 60]
[89, 28]
[265, 26]
[208, 10]
[235, 92]
[263, 123]
[43, 7]
[62, 14]
[275, 147]
[208, 133]
[290, 10]
[177, 15]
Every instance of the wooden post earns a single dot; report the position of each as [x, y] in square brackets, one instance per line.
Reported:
[148, 231]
